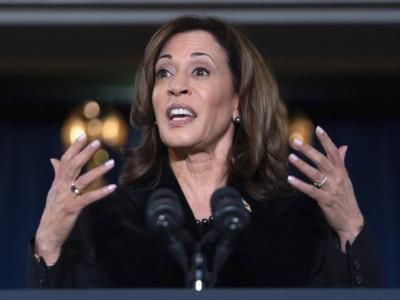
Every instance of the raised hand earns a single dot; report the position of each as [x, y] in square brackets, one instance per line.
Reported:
[330, 186]
[65, 199]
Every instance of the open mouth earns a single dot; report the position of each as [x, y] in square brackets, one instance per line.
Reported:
[179, 113]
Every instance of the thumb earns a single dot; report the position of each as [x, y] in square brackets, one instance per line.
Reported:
[55, 163]
[343, 151]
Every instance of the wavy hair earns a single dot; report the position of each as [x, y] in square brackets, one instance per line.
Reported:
[257, 159]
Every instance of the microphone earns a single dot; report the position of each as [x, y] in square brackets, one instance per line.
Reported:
[164, 210]
[230, 215]
[164, 214]
[230, 218]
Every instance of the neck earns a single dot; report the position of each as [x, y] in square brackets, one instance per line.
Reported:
[199, 169]
[199, 175]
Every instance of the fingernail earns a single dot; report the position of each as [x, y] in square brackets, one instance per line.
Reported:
[95, 144]
[319, 130]
[111, 187]
[52, 161]
[81, 137]
[298, 142]
[291, 179]
[345, 150]
[109, 163]
[293, 157]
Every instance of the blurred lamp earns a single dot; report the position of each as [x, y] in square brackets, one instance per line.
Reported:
[108, 126]
[300, 127]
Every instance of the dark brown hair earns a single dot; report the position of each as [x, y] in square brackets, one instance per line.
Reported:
[257, 158]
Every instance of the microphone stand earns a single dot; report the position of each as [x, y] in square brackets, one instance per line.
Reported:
[199, 276]
[177, 249]
[174, 238]
[224, 248]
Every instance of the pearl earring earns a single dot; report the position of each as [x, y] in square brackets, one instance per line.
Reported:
[237, 120]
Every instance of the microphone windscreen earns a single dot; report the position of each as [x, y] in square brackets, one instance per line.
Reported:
[163, 209]
[228, 210]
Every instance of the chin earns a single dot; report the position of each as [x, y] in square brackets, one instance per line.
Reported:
[179, 142]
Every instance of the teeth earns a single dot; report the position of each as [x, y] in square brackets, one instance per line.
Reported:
[180, 112]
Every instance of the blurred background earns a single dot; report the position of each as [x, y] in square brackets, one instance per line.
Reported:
[68, 66]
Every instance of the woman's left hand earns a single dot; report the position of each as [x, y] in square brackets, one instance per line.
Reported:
[332, 188]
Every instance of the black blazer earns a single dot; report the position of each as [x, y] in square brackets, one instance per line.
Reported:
[288, 244]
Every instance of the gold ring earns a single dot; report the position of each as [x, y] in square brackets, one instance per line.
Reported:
[75, 190]
[318, 185]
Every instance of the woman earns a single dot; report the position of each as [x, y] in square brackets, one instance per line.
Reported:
[210, 116]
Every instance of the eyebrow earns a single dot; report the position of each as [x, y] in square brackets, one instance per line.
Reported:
[194, 54]
[200, 54]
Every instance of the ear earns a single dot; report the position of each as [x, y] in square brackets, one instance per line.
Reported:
[235, 102]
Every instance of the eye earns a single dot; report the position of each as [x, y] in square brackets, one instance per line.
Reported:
[162, 73]
[202, 72]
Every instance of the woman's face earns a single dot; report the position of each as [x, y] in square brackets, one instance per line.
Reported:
[193, 98]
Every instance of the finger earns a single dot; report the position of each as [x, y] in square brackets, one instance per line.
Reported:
[55, 163]
[75, 147]
[73, 167]
[86, 179]
[306, 188]
[84, 156]
[311, 172]
[314, 155]
[98, 194]
[329, 147]
[343, 152]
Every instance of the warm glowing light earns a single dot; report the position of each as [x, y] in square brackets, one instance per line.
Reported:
[108, 127]
[295, 135]
[114, 130]
[100, 157]
[91, 109]
[76, 128]
[94, 127]
[302, 128]
[111, 128]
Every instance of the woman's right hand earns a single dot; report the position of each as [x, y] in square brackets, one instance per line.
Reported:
[63, 206]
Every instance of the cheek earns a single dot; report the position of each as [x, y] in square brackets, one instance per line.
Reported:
[219, 106]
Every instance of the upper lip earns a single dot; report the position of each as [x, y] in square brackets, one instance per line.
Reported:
[176, 105]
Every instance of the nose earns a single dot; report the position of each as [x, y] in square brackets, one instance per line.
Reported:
[178, 86]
